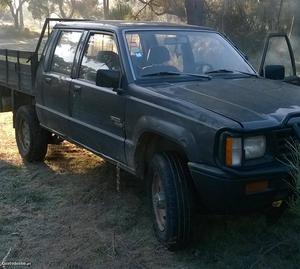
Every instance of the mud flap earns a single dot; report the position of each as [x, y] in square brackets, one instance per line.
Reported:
[5, 100]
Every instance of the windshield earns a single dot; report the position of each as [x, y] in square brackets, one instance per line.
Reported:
[183, 52]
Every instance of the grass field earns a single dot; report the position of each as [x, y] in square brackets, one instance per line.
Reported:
[66, 213]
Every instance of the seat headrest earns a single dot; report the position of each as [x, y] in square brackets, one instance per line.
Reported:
[110, 58]
[158, 55]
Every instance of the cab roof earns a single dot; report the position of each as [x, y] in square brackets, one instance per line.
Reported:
[126, 25]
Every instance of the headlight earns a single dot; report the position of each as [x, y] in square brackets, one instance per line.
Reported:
[250, 148]
[254, 147]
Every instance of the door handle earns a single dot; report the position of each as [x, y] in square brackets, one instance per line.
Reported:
[76, 90]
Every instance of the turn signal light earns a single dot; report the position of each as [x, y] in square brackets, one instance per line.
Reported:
[229, 151]
[258, 186]
[233, 152]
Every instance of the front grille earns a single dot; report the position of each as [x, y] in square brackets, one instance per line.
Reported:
[281, 142]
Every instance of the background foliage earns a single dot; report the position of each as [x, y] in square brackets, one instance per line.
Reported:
[246, 22]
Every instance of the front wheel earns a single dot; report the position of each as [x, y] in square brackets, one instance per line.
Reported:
[170, 200]
[30, 137]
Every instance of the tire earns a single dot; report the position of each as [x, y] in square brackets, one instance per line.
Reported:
[30, 137]
[170, 200]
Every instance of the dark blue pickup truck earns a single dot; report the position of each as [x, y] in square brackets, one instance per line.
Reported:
[179, 106]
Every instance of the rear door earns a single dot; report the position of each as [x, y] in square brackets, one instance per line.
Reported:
[98, 112]
[54, 100]
[278, 51]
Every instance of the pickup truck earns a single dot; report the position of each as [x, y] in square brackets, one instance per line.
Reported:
[177, 105]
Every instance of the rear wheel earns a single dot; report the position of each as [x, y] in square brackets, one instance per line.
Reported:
[30, 137]
[170, 200]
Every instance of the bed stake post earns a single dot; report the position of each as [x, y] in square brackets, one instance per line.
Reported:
[118, 177]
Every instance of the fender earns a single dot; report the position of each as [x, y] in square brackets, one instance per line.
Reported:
[170, 131]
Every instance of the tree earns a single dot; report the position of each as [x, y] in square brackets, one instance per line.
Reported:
[16, 11]
[39, 9]
[120, 11]
[66, 8]
[106, 8]
[63, 8]
[195, 12]
[297, 19]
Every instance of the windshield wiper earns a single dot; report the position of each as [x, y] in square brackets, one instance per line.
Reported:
[248, 74]
[176, 74]
[161, 74]
[226, 71]
[219, 71]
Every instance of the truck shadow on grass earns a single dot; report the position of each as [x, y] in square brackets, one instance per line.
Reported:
[66, 213]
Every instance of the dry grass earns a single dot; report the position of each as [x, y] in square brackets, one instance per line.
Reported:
[66, 213]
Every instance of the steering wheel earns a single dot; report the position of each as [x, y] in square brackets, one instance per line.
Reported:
[157, 68]
[202, 68]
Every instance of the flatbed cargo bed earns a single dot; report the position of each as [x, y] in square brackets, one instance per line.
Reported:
[17, 70]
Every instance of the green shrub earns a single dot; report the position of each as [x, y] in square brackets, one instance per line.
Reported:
[294, 163]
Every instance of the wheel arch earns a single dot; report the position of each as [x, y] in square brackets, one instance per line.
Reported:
[151, 142]
[152, 135]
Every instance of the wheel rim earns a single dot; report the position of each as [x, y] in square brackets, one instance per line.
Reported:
[24, 135]
[159, 202]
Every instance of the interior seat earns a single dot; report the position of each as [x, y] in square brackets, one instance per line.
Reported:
[157, 61]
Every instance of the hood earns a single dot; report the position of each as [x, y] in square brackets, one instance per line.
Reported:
[243, 100]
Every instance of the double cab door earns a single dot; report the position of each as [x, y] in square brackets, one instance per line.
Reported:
[278, 51]
[54, 81]
[72, 104]
[98, 112]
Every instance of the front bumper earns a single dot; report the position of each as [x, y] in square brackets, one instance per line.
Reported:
[226, 191]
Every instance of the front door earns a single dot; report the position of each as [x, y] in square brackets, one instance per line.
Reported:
[98, 112]
[54, 103]
[278, 51]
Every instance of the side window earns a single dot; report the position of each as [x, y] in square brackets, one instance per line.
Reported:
[100, 53]
[64, 53]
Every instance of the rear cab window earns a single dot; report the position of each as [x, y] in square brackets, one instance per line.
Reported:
[64, 53]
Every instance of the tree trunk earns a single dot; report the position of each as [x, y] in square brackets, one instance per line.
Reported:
[15, 15]
[16, 21]
[195, 12]
[296, 30]
[61, 10]
[279, 15]
[106, 9]
[21, 15]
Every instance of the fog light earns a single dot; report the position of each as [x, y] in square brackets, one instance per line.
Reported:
[258, 186]
[277, 203]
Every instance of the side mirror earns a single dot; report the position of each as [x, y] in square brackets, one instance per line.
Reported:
[108, 78]
[275, 72]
